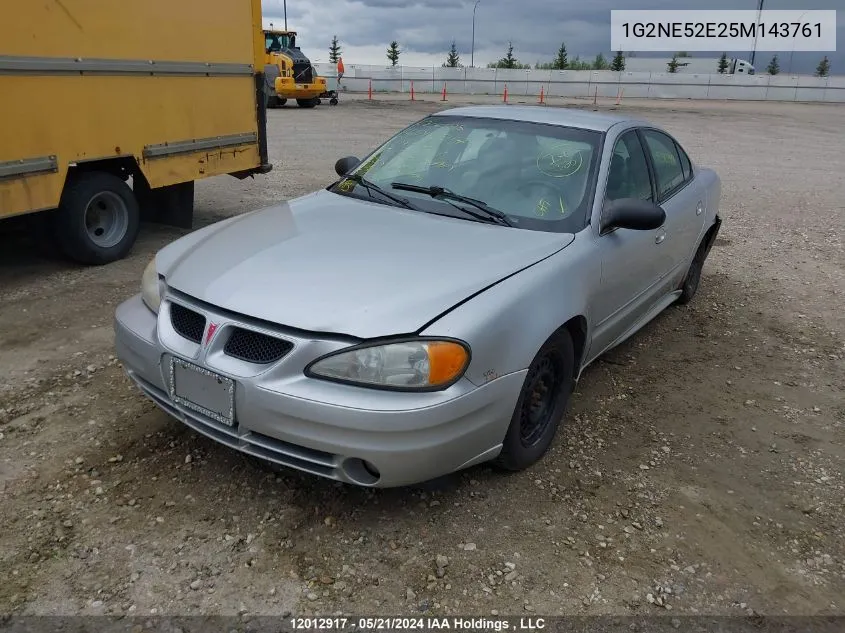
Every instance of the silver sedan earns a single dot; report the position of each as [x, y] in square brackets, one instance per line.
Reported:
[433, 308]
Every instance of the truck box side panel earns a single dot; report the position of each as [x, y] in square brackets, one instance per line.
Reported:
[189, 115]
[185, 30]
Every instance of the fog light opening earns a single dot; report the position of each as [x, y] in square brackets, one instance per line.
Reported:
[361, 471]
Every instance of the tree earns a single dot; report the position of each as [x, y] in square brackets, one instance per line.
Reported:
[600, 63]
[560, 61]
[823, 69]
[672, 66]
[618, 63]
[453, 60]
[334, 50]
[393, 52]
[723, 64]
[773, 68]
[577, 64]
[683, 54]
[509, 61]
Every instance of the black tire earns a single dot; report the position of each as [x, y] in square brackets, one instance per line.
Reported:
[98, 218]
[551, 377]
[333, 101]
[693, 277]
[307, 103]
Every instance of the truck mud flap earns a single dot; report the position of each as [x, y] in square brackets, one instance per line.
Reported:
[172, 205]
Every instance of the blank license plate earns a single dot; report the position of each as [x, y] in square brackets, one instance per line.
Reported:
[203, 391]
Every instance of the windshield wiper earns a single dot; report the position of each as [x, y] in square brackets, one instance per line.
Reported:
[489, 213]
[371, 186]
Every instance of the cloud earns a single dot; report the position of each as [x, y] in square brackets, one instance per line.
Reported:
[426, 28]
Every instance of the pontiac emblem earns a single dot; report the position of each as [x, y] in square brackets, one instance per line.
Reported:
[212, 328]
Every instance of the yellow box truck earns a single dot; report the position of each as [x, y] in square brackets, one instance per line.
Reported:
[95, 95]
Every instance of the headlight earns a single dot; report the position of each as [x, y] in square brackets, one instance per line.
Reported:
[151, 287]
[418, 364]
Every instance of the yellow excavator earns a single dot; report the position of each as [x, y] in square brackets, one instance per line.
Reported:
[289, 74]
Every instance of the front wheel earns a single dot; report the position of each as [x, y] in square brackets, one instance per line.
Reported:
[98, 218]
[307, 103]
[541, 404]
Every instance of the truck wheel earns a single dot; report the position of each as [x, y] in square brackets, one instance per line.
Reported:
[307, 103]
[98, 218]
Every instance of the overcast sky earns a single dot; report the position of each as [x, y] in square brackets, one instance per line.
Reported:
[426, 28]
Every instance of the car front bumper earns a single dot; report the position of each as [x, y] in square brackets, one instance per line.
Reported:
[352, 434]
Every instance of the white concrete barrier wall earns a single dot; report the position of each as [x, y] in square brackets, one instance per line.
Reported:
[604, 84]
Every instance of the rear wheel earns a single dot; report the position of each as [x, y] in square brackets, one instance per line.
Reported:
[97, 220]
[693, 277]
[541, 404]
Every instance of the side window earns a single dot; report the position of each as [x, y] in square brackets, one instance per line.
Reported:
[628, 175]
[667, 163]
[685, 162]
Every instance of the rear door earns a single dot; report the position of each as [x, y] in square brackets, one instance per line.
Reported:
[680, 196]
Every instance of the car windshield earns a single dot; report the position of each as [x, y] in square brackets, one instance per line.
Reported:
[540, 176]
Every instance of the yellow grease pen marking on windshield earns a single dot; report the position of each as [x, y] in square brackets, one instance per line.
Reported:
[562, 206]
[542, 207]
[559, 165]
[347, 185]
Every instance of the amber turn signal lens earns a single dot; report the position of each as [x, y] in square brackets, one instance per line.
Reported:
[446, 360]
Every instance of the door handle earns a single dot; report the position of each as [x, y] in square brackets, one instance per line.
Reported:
[658, 239]
[699, 209]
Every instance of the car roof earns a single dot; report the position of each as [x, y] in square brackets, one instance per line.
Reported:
[571, 117]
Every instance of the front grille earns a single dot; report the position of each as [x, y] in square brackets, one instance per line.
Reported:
[188, 323]
[255, 347]
[302, 73]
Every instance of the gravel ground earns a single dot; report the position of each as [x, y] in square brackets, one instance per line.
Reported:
[700, 469]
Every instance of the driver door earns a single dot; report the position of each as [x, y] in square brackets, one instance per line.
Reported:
[631, 262]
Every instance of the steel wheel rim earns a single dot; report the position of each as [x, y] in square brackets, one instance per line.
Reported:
[540, 402]
[106, 219]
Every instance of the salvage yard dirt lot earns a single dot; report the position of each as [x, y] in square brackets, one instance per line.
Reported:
[700, 468]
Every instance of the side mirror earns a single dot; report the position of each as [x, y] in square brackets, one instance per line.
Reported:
[632, 213]
[346, 164]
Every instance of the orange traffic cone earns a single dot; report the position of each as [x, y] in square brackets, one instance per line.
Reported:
[542, 96]
[412, 91]
[443, 98]
[505, 94]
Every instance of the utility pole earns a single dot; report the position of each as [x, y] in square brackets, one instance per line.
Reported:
[286, 15]
[754, 50]
[472, 54]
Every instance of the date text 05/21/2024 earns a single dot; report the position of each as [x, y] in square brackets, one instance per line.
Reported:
[415, 624]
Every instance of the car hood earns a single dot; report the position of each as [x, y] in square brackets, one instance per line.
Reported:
[335, 264]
